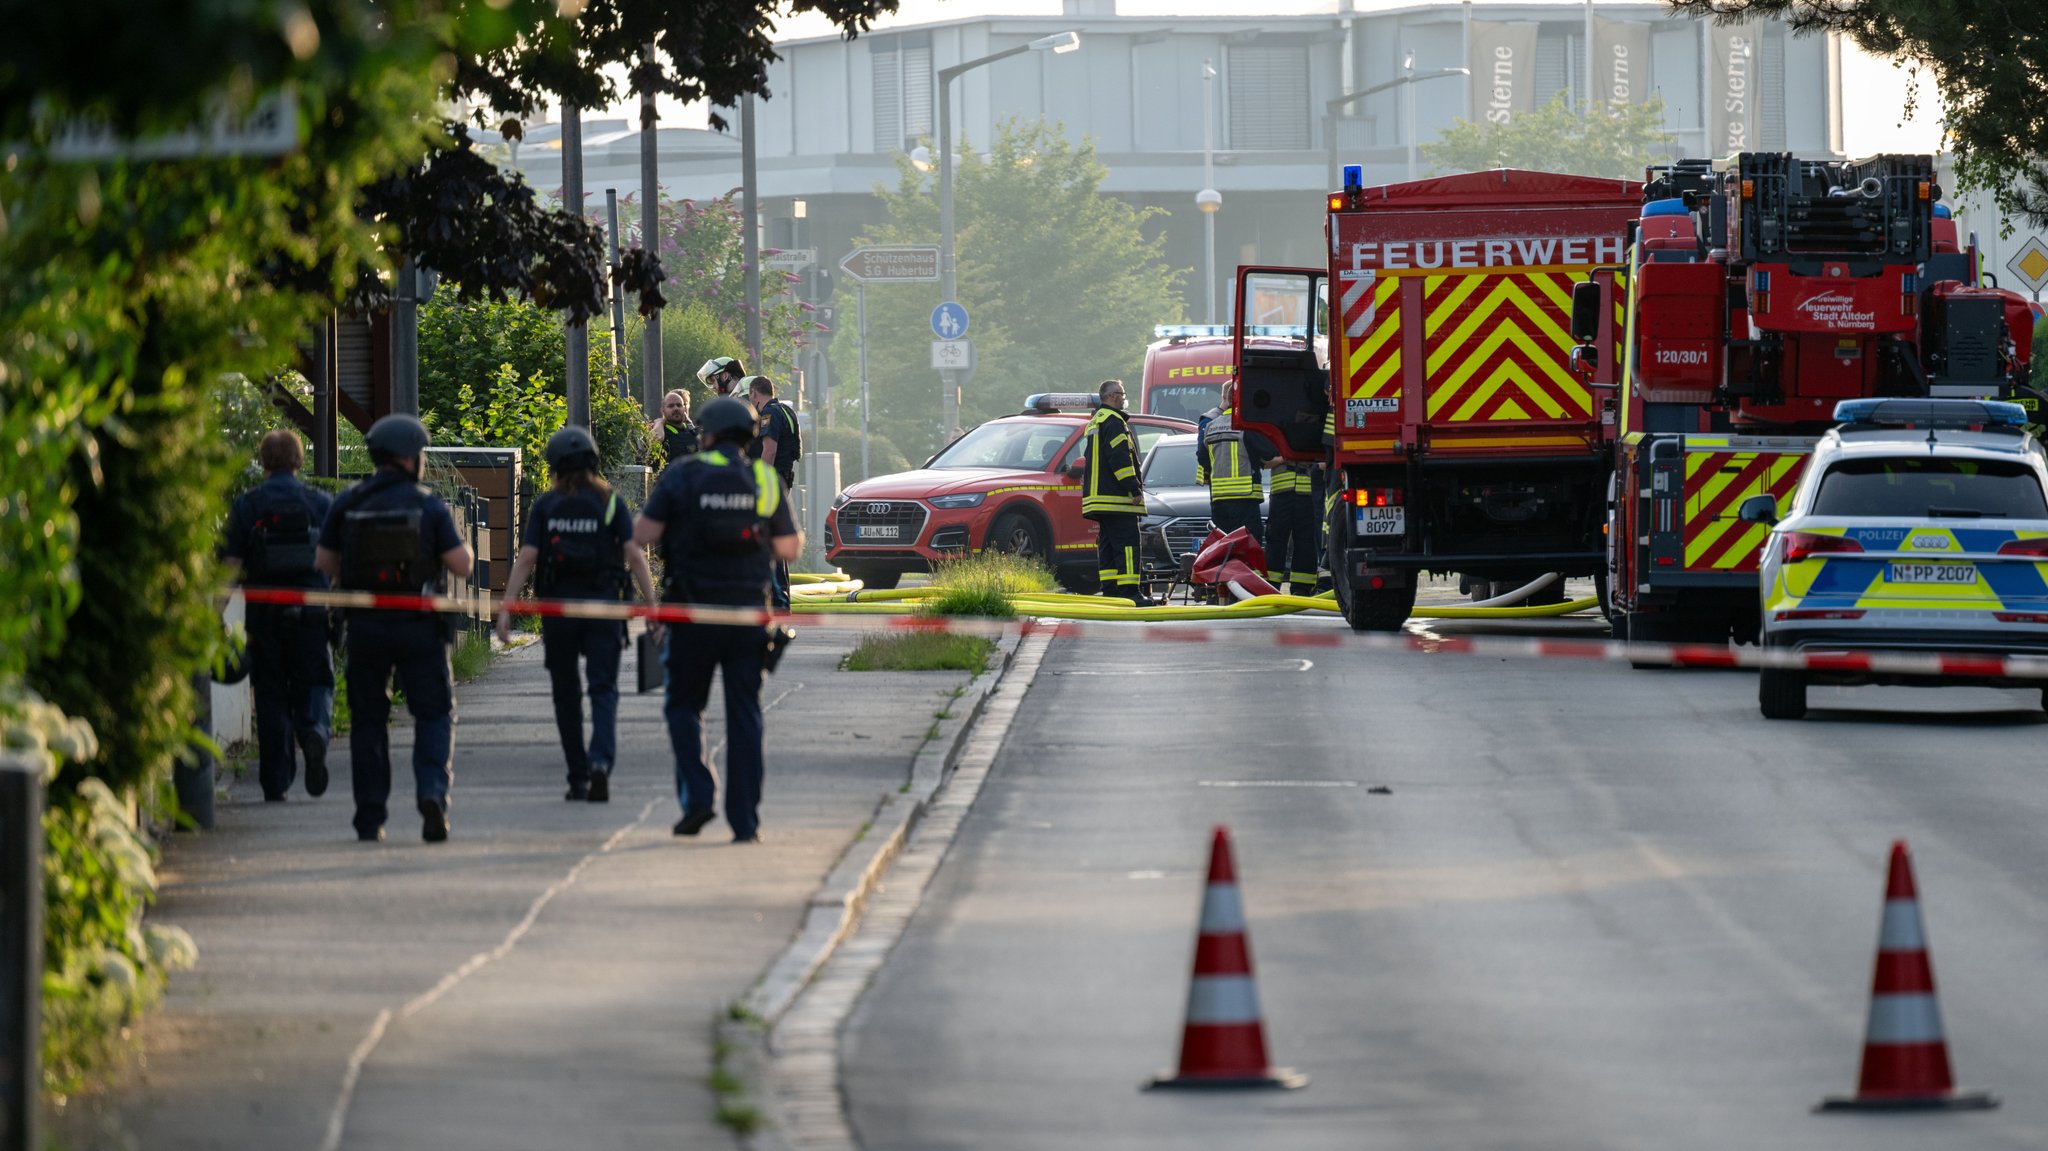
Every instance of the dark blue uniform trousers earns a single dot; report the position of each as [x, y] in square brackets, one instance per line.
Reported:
[292, 678]
[694, 652]
[378, 644]
[597, 644]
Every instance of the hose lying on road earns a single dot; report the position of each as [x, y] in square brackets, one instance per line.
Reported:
[825, 599]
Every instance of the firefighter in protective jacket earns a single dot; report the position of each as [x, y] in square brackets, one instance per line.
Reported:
[579, 543]
[1112, 495]
[1233, 458]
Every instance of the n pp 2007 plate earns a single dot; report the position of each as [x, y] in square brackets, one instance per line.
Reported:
[1931, 573]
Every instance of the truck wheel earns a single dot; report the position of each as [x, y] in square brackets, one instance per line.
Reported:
[1640, 627]
[1381, 609]
[1781, 693]
[878, 578]
[1600, 593]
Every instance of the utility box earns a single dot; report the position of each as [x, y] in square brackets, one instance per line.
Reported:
[496, 474]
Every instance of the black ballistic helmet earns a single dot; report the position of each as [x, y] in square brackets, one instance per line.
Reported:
[396, 437]
[571, 450]
[727, 419]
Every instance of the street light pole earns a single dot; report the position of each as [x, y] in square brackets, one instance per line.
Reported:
[1058, 42]
[1209, 199]
[1337, 104]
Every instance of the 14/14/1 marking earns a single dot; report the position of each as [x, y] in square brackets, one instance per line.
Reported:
[1931, 573]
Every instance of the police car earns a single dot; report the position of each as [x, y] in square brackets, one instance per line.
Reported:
[1919, 525]
[1011, 485]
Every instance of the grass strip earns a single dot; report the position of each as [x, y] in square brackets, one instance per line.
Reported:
[920, 651]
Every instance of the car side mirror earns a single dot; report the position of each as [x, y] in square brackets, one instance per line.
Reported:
[1586, 307]
[1758, 510]
[1078, 468]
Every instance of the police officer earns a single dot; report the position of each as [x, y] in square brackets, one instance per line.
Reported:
[392, 534]
[779, 444]
[1234, 458]
[721, 374]
[1294, 531]
[271, 537]
[1112, 494]
[579, 539]
[721, 519]
[676, 434]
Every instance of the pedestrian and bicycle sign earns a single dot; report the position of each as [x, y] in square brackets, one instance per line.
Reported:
[952, 355]
[949, 321]
[893, 264]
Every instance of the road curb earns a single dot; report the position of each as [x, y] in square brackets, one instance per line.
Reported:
[742, 1035]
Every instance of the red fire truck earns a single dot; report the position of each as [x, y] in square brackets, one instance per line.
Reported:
[1186, 366]
[1759, 291]
[1460, 439]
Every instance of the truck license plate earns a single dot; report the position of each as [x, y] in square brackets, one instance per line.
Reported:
[879, 532]
[1932, 573]
[1382, 521]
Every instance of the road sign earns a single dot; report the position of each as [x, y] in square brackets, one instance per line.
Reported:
[792, 259]
[2030, 264]
[893, 264]
[270, 127]
[952, 355]
[949, 321]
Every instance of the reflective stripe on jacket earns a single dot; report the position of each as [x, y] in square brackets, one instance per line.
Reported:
[1233, 475]
[1111, 486]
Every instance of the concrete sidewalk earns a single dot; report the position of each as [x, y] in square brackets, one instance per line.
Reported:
[548, 978]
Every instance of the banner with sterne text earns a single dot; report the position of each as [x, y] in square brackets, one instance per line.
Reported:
[1732, 87]
[1621, 61]
[1503, 71]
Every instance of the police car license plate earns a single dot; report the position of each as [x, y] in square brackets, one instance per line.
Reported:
[1931, 573]
[1382, 521]
[880, 531]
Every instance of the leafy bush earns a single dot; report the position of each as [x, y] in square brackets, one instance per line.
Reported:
[884, 457]
[468, 343]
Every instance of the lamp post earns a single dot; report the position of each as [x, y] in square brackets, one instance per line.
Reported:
[1059, 43]
[1209, 200]
[1336, 104]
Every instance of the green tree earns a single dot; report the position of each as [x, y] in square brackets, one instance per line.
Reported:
[1987, 61]
[1062, 281]
[1607, 140]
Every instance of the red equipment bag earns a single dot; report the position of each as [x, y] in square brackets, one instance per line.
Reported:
[1223, 559]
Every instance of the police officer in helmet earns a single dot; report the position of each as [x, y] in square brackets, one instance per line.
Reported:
[721, 374]
[721, 519]
[579, 540]
[392, 534]
[270, 542]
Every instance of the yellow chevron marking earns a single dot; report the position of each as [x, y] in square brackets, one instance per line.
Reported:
[1505, 374]
[1560, 297]
[1730, 468]
[1510, 410]
[1749, 537]
[1503, 297]
[1448, 306]
[1454, 441]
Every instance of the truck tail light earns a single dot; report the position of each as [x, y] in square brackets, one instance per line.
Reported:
[1800, 545]
[1376, 497]
[2036, 548]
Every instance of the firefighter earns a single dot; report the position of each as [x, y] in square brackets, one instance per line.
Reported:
[721, 374]
[721, 519]
[1233, 461]
[392, 534]
[1113, 495]
[270, 540]
[1294, 530]
[579, 543]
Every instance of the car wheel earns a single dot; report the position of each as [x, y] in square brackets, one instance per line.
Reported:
[1017, 534]
[878, 578]
[1781, 693]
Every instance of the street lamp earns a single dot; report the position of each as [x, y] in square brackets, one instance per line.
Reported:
[1209, 200]
[1333, 106]
[1059, 43]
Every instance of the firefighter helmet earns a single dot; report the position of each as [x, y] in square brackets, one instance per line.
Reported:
[718, 366]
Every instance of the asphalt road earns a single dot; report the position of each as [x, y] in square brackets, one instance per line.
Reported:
[1600, 908]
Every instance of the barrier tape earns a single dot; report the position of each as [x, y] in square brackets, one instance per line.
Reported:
[1935, 665]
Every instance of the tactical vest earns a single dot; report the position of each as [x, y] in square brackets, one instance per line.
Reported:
[677, 443]
[282, 536]
[580, 554]
[715, 547]
[383, 548]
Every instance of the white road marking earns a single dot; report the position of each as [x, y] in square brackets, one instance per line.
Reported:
[1278, 783]
[1301, 665]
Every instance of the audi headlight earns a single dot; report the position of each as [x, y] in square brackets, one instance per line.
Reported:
[962, 500]
[841, 501]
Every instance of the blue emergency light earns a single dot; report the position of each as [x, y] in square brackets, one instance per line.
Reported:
[1930, 413]
[1188, 331]
[1354, 177]
[1046, 403]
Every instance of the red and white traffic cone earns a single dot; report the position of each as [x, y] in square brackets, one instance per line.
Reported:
[1905, 1054]
[1224, 1041]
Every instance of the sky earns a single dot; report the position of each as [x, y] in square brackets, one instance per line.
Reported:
[1873, 90]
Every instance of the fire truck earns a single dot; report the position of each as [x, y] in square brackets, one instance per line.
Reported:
[1758, 291]
[1459, 438]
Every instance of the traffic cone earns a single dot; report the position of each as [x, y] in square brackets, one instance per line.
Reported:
[1224, 1041]
[1905, 1055]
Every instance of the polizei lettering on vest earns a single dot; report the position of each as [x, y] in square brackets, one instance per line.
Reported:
[572, 527]
[1503, 252]
[726, 501]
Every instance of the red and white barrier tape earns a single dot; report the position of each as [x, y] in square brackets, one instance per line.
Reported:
[1943, 665]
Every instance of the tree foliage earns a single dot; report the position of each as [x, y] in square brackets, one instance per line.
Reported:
[1063, 284]
[1606, 140]
[1988, 60]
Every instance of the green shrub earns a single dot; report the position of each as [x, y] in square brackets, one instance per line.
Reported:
[468, 343]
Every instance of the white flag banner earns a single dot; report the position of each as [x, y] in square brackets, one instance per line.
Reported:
[1621, 61]
[1732, 112]
[1503, 70]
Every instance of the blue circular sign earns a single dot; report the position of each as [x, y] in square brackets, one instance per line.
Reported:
[949, 321]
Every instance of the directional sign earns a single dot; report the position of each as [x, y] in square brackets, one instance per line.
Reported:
[949, 321]
[893, 264]
[792, 259]
[2031, 263]
[952, 355]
